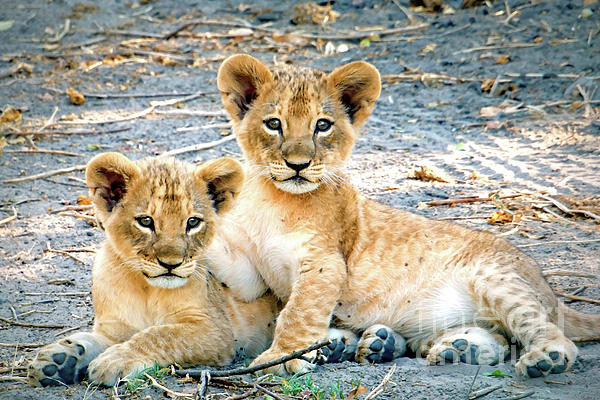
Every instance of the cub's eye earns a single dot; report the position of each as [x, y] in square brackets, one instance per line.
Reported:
[193, 222]
[323, 125]
[146, 222]
[273, 124]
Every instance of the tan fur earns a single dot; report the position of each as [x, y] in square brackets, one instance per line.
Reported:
[332, 254]
[142, 315]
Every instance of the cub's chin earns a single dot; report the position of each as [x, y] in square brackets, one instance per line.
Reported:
[167, 282]
[294, 186]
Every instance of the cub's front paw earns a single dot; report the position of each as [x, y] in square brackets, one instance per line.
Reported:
[472, 345]
[289, 368]
[554, 358]
[342, 346]
[64, 362]
[379, 343]
[117, 362]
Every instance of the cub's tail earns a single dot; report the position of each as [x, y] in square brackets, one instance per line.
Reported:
[579, 326]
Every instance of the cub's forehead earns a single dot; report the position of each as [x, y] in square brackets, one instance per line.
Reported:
[299, 90]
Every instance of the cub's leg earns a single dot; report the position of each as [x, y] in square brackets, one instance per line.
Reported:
[471, 345]
[185, 344]
[380, 343]
[67, 360]
[523, 308]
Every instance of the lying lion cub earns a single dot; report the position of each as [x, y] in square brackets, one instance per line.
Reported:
[154, 301]
[300, 229]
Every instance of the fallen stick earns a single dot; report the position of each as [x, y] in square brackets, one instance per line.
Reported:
[562, 207]
[198, 147]
[197, 373]
[520, 395]
[23, 345]
[129, 117]
[28, 325]
[379, 388]
[57, 294]
[82, 207]
[44, 151]
[471, 199]
[134, 95]
[483, 392]
[66, 254]
[71, 132]
[558, 242]
[577, 298]
[562, 272]
[165, 389]
[46, 174]
[191, 113]
[11, 218]
[499, 46]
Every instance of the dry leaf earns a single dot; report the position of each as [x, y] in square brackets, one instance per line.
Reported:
[358, 390]
[290, 38]
[83, 200]
[503, 59]
[538, 39]
[493, 124]
[490, 111]
[10, 115]
[240, 32]
[76, 97]
[428, 49]
[487, 83]
[503, 217]
[429, 174]
[6, 25]
[576, 105]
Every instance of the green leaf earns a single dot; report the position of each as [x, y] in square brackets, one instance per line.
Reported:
[6, 25]
[93, 146]
[365, 42]
[497, 373]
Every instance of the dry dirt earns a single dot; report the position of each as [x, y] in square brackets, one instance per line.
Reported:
[538, 132]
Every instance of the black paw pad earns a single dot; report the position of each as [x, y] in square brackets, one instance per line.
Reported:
[382, 333]
[534, 372]
[449, 355]
[333, 352]
[470, 355]
[460, 344]
[559, 368]
[49, 382]
[555, 355]
[59, 358]
[377, 345]
[543, 365]
[82, 374]
[67, 372]
[80, 349]
[49, 370]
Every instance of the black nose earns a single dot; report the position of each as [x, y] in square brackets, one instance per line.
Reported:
[297, 167]
[168, 266]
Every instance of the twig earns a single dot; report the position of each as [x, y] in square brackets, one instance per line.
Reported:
[44, 151]
[168, 391]
[129, 117]
[243, 395]
[379, 388]
[28, 325]
[57, 294]
[23, 345]
[499, 46]
[70, 132]
[13, 378]
[520, 395]
[64, 253]
[483, 392]
[197, 373]
[204, 382]
[471, 199]
[198, 147]
[577, 298]
[473, 381]
[563, 272]
[6, 72]
[558, 242]
[81, 207]
[465, 217]
[562, 207]
[268, 392]
[11, 218]
[203, 127]
[79, 215]
[407, 12]
[191, 113]
[62, 34]
[46, 174]
[135, 95]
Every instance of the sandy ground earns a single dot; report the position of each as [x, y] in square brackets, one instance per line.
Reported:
[534, 134]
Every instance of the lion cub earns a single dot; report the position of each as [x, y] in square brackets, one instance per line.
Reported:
[154, 300]
[300, 229]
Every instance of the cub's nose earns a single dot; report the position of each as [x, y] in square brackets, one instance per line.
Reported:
[170, 265]
[297, 167]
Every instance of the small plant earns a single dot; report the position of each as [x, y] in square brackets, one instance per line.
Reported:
[135, 382]
[497, 373]
[335, 391]
[302, 383]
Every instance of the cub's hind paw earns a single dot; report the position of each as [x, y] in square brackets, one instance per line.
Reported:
[63, 362]
[553, 358]
[379, 343]
[342, 346]
[471, 346]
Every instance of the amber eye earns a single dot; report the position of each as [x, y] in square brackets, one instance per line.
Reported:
[146, 222]
[273, 124]
[323, 125]
[193, 222]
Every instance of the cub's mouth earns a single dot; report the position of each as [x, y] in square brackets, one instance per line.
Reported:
[168, 280]
[297, 178]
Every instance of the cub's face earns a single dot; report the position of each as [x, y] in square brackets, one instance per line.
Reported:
[297, 126]
[160, 214]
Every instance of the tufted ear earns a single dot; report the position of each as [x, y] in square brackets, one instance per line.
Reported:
[357, 85]
[240, 79]
[223, 178]
[108, 176]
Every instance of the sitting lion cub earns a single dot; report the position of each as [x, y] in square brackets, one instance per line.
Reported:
[154, 301]
[300, 229]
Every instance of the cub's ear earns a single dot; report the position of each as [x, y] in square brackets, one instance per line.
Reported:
[240, 80]
[223, 178]
[108, 176]
[357, 85]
